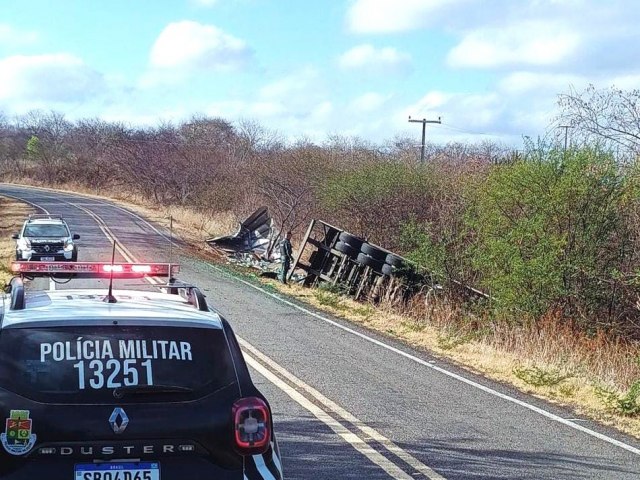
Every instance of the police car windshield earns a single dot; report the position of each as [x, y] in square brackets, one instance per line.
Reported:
[46, 230]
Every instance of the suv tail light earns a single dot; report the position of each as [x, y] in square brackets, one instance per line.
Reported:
[252, 426]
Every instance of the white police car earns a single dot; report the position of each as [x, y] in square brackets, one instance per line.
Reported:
[46, 238]
[125, 385]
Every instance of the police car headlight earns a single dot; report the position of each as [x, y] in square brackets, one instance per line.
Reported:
[68, 246]
[24, 244]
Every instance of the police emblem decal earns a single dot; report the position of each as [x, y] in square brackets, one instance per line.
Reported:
[17, 438]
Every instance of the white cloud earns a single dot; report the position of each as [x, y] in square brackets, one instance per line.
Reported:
[370, 58]
[61, 77]
[532, 42]
[11, 37]
[625, 82]
[385, 16]
[299, 84]
[368, 102]
[526, 83]
[194, 46]
[204, 3]
[296, 104]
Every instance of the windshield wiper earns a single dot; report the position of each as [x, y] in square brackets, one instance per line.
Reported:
[121, 392]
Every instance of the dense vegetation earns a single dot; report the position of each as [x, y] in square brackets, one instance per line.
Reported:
[547, 230]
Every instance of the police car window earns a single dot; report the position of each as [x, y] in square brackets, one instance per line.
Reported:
[89, 363]
[44, 230]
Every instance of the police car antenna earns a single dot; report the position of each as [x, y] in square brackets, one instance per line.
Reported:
[171, 279]
[110, 298]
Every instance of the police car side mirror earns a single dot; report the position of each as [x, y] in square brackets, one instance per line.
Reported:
[15, 236]
[76, 236]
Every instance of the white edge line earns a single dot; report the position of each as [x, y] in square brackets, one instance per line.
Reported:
[460, 378]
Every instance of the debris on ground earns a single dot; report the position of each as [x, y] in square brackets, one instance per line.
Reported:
[255, 236]
[253, 245]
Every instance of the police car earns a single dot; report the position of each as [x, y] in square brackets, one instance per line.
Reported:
[125, 384]
[46, 238]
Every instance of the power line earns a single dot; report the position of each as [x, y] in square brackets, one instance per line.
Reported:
[470, 132]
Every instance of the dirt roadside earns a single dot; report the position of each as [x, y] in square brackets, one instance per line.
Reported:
[12, 217]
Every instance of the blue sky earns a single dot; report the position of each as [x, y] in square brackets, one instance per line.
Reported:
[491, 69]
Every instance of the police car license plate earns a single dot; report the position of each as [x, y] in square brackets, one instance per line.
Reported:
[47, 259]
[118, 471]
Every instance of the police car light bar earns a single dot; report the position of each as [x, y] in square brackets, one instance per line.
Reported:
[95, 269]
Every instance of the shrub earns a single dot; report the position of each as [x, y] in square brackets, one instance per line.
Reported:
[549, 231]
[373, 200]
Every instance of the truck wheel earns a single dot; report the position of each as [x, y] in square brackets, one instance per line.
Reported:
[347, 249]
[374, 252]
[364, 259]
[352, 240]
[394, 260]
[387, 269]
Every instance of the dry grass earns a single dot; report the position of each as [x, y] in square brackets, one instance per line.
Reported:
[569, 366]
[11, 219]
[549, 359]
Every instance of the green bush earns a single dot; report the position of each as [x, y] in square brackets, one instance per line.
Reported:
[549, 232]
[540, 377]
[624, 404]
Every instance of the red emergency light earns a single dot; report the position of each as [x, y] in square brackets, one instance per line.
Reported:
[95, 269]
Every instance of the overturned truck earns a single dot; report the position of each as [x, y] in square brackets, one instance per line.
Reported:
[355, 266]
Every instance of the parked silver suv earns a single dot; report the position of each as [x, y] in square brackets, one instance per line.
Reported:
[46, 238]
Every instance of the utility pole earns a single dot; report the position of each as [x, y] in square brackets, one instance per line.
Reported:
[424, 122]
[566, 132]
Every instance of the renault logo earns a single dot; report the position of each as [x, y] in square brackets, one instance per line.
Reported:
[47, 248]
[118, 420]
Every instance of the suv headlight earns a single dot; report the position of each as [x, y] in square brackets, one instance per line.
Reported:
[68, 245]
[24, 243]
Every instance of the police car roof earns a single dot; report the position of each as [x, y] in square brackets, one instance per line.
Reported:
[86, 307]
[45, 220]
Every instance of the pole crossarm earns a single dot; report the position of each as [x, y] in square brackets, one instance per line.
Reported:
[424, 122]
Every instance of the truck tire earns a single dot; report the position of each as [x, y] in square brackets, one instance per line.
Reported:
[394, 260]
[347, 249]
[352, 240]
[364, 259]
[387, 269]
[374, 252]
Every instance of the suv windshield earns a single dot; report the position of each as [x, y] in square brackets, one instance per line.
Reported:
[45, 230]
[83, 364]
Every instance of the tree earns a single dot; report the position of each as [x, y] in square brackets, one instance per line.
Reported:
[47, 149]
[610, 117]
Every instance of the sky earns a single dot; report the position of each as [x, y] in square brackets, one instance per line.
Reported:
[490, 69]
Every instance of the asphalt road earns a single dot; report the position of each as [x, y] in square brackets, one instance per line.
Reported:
[350, 404]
